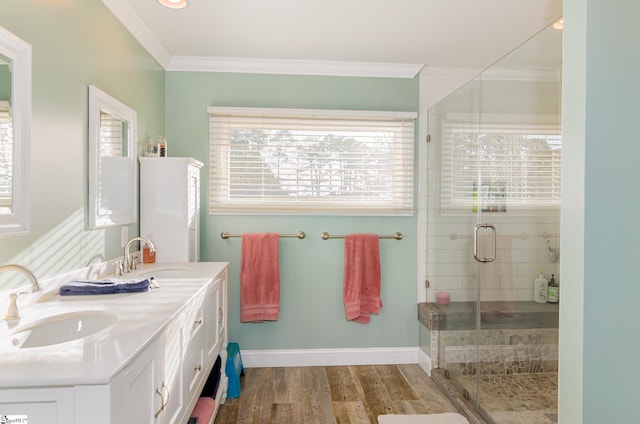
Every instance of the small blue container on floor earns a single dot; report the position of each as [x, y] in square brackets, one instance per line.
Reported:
[234, 369]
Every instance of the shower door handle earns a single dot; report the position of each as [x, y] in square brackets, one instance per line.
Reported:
[493, 243]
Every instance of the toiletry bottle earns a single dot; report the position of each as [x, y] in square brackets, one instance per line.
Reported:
[148, 257]
[553, 291]
[540, 286]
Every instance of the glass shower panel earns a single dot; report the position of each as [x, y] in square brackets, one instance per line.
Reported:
[454, 125]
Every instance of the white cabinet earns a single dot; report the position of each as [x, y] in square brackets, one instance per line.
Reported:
[160, 384]
[170, 207]
[163, 384]
[53, 405]
[153, 382]
[216, 320]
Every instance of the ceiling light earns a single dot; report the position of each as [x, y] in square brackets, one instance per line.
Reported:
[559, 24]
[174, 4]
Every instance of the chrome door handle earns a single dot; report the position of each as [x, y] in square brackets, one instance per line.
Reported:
[493, 243]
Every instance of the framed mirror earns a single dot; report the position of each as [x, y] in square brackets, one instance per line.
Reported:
[112, 161]
[15, 133]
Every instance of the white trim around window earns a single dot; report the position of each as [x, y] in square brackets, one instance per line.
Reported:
[301, 161]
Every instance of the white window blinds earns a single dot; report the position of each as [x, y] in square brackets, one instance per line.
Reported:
[6, 156]
[501, 166]
[113, 133]
[310, 161]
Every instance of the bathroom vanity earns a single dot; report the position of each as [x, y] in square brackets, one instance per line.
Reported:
[148, 365]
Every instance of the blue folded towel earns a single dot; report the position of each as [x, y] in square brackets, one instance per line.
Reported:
[106, 286]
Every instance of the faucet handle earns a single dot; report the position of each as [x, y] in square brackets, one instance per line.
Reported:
[134, 263]
[13, 313]
[119, 269]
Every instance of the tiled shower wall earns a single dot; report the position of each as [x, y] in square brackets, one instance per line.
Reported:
[445, 242]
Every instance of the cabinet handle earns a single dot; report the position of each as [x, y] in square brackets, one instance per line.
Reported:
[162, 404]
[167, 401]
[197, 368]
[197, 321]
[220, 315]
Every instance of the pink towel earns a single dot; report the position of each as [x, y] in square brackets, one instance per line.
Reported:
[204, 409]
[259, 278]
[361, 276]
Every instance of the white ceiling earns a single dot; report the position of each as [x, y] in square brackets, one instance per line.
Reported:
[392, 33]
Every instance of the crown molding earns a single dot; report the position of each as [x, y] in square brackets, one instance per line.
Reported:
[293, 67]
[132, 21]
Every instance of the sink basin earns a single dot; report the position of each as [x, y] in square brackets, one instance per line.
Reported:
[169, 273]
[62, 328]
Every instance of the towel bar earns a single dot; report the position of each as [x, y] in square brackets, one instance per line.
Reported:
[326, 236]
[300, 235]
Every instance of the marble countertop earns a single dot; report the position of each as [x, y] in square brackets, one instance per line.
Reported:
[97, 358]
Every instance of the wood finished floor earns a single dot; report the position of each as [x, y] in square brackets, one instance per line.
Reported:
[336, 394]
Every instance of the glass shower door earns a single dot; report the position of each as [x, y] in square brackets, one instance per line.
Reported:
[517, 226]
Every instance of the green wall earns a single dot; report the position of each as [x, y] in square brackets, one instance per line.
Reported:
[75, 43]
[599, 327]
[311, 307]
[5, 82]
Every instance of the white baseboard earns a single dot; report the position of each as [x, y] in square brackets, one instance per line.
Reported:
[424, 361]
[328, 357]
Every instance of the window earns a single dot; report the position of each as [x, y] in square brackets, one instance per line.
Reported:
[501, 165]
[311, 161]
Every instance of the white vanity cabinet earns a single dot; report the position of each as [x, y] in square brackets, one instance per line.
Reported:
[164, 382]
[170, 207]
[150, 370]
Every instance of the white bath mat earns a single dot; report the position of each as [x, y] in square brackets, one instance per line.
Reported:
[446, 418]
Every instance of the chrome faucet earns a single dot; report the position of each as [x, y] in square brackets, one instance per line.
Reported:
[13, 313]
[15, 267]
[127, 256]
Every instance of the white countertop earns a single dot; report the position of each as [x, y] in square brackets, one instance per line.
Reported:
[97, 358]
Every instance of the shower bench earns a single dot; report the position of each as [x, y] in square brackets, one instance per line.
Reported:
[515, 337]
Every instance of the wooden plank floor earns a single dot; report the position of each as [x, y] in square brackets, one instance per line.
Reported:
[337, 394]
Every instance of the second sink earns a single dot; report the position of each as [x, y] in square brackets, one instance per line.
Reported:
[61, 328]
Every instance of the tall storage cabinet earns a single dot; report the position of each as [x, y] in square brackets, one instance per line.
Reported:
[170, 207]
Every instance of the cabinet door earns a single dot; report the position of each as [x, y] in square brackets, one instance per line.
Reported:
[215, 322]
[169, 377]
[141, 403]
[153, 382]
[39, 405]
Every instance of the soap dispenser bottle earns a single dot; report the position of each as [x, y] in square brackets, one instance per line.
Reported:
[540, 287]
[553, 291]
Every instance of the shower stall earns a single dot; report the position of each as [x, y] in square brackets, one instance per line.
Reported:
[492, 225]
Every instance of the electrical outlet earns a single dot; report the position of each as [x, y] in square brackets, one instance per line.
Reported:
[124, 235]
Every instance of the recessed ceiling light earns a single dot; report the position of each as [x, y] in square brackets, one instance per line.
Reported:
[174, 4]
[559, 24]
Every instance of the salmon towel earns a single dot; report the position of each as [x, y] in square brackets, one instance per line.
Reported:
[260, 278]
[205, 406]
[361, 276]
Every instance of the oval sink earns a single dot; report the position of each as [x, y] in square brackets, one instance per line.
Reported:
[62, 328]
[168, 273]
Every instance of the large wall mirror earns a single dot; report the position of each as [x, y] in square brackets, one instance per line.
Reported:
[112, 161]
[15, 133]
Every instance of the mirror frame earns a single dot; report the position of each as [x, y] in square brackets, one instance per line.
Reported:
[99, 101]
[19, 51]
